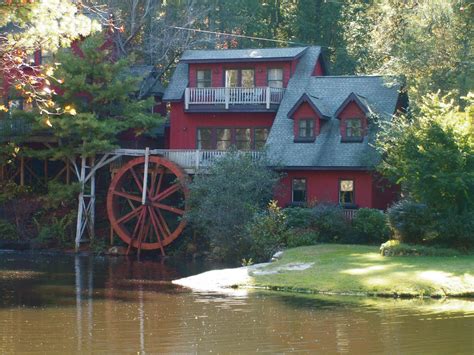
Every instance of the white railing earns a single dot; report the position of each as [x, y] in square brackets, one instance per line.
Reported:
[233, 96]
[198, 159]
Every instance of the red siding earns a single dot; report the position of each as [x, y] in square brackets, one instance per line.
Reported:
[352, 110]
[323, 186]
[306, 111]
[384, 194]
[318, 69]
[217, 71]
[183, 125]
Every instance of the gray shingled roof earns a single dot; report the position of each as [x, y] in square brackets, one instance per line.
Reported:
[177, 84]
[327, 151]
[229, 55]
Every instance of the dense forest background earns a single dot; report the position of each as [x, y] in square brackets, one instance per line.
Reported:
[428, 42]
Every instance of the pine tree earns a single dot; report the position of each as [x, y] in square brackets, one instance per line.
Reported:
[98, 101]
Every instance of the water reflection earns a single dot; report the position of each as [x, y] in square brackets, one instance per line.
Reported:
[83, 304]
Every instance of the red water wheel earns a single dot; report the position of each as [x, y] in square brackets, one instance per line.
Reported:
[159, 220]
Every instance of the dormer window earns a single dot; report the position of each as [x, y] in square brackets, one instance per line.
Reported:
[203, 79]
[306, 129]
[354, 129]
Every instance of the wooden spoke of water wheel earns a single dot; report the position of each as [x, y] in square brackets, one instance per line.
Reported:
[157, 221]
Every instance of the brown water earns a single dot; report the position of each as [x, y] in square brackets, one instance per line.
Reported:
[52, 304]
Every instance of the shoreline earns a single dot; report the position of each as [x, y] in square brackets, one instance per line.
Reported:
[340, 270]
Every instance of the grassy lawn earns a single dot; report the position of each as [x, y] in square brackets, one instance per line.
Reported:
[360, 269]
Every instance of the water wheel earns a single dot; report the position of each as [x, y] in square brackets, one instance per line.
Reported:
[155, 221]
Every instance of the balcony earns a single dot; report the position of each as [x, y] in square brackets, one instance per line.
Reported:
[191, 160]
[233, 99]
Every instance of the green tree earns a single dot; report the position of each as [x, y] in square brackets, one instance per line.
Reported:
[429, 42]
[225, 199]
[97, 100]
[432, 156]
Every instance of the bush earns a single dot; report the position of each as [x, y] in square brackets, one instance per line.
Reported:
[301, 237]
[298, 217]
[410, 222]
[455, 230]
[330, 224]
[226, 198]
[268, 233]
[8, 231]
[61, 195]
[370, 226]
[395, 248]
[57, 233]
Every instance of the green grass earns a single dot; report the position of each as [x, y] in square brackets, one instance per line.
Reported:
[356, 269]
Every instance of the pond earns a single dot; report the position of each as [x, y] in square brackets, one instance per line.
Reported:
[71, 304]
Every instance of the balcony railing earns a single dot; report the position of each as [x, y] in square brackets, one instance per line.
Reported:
[192, 159]
[233, 96]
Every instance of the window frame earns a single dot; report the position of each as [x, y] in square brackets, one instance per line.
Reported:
[293, 191]
[239, 77]
[352, 138]
[347, 204]
[233, 135]
[198, 81]
[305, 139]
[282, 77]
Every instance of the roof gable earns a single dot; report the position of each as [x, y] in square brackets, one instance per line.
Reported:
[305, 98]
[358, 100]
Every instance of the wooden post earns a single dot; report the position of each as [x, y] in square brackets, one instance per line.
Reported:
[22, 171]
[92, 202]
[145, 175]
[268, 97]
[80, 208]
[227, 98]
[186, 98]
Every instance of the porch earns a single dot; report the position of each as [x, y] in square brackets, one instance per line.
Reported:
[232, 98]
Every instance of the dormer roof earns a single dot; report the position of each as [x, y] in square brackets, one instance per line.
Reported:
[360, 101]
[314, 102]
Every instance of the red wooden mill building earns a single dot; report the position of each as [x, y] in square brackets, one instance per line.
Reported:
[314, 127]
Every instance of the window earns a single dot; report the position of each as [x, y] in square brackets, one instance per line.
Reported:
[204, 138]
[203, 78]
[299, 190]
[248, 78]
[239, 78]
[346, 192]
[223, 138]
[354, 129]
[306, 128]
[261, 135]
[275, 78]
[242, 139]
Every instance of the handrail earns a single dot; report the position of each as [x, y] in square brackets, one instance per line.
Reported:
[233, 96]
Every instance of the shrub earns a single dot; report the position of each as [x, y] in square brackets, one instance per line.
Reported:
[298, 217]
[301, 237]
[57, 233]
[455, 229]
[8, 231]
[395, 248]
[61, 195]
[370, 226]
[329, 221]
[225, 199]
[410, 222]
[268, 232]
